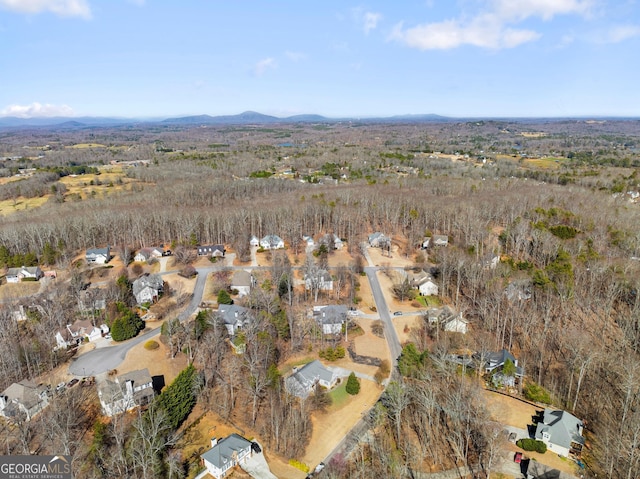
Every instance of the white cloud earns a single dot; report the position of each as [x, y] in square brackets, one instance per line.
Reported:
[494, 27]
[621, 33]
[366, 20]
[36, 110]
[63, 8]
[263, 65]
[371, 21]
[295, 56]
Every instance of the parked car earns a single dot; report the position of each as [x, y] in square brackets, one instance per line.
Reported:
[397, 313]
[60, 387]
[255, 447]
[517, 458]
[72, 383]
[512, 437]
[319, 468]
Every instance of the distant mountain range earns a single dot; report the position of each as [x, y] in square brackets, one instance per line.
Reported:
[245, 118]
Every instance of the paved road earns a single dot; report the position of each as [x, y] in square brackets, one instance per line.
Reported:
[383, 310]
[105, 359]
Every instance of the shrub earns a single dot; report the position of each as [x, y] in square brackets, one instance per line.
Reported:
[353, 385]
[332, 354]
[151, 345]
[532, 445]
[377, 328]
[536, 393]
[224, 298]
[299, 465]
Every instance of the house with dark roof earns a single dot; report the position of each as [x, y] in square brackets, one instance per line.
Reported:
[77, 332]
[147, 288]
[330, 318]
[25, 398]
[98, 255]
[561, 432]
[214, 250]
[15, 275]
[226, 454]
[234, 317]
[127, 392]
[304, 379]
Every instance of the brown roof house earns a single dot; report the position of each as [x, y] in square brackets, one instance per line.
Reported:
[127, 392]
[25, 398]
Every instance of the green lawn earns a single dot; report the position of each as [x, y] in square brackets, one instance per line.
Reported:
[429, 301]
[339, 396]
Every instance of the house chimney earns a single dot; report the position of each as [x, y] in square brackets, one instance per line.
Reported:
[236, 314]
[129, 386]
[214, 441]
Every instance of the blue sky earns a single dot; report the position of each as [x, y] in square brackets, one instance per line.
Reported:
[160, 58]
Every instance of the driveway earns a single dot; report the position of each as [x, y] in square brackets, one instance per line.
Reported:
[383, 310]
[342, 372]
[256, 466]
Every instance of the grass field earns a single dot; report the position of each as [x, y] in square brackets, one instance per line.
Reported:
[11, 206]
[547, 163]
[87, 145]
[339, 396]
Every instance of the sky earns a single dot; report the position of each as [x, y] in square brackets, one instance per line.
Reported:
[167, 58]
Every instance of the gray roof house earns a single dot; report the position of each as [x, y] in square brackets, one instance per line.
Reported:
[242, 281]
[15, 275]
[234, 317]
[226, 454]
[272, 242]
[330, 318]
[98, 255]
[128, 391]
[561, 432]
[440, 240]
[214, 250]
[303, 380]
[23, 397]
[147, 288]
[330, 239]
[378, 239]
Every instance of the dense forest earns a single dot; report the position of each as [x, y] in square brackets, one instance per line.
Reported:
[554, 200]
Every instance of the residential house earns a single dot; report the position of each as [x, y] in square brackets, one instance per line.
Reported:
[226, 454]
[147, 288]
[272, 242]
[491, 261]
[519, 290]
[127, 392]
[91, 299]
[378, 240]
[428, 288]
[98, 255]
[494, 363]
[330, 240]
[319, 279]
[25, 398]
[440, 240]
[75, 333]
[561, 432]
[456, 324]
[214, 250]
[308, 242]
[303, 380]
[242, 281]
[146, 254]
[425, 242]
[330, 318]
[15, 275]
[234, 317]
[254, 241]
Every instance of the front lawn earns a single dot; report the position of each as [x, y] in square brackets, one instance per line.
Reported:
[339, 396]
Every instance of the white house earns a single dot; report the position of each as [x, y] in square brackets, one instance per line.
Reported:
[457, 324]
[15, 275]
[145, 254]
[98, 255]
[378, 240]
[428, 288]
[128, 391]
[272, 242]
[320, 279]
[242, 281]
[254, 241]
[303, 380]
[214, 250]
[25, 398]
[561, 432]
[147, 288]
[440, 240]
[226, 454]
[330, 318]
[330, 239]
[308, 241]
[75, 333]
